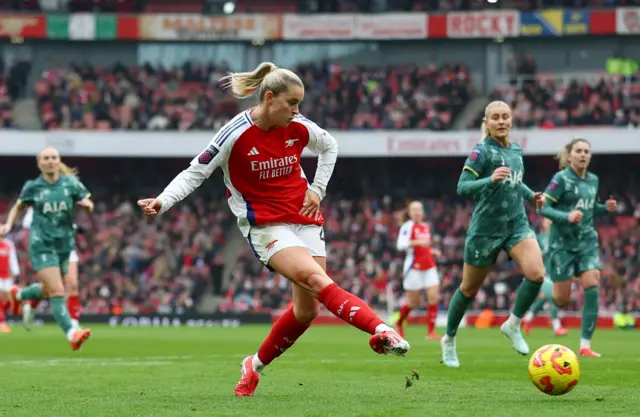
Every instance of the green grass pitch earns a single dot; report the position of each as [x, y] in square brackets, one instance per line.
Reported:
[330, 372]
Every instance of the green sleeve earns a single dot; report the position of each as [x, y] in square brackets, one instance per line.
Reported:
[553, 194]
[527, 193]
[469, 184]
[600, 209]
[80, 192]
[27, 195]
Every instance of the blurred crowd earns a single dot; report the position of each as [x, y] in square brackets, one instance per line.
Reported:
[134, 98]
[190, 97]
[131, 265]
[304, 6]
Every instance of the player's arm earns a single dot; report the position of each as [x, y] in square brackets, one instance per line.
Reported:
[553, 194]
[527, 193]
[600, 209]
[201, 168]
[27, 219]
[25, 199]
[470, 183]
[324, 145]
[14, 266]
[82, 196]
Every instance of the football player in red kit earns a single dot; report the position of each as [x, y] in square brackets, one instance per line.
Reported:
[9, 270]
[419, 272]
[277, 208]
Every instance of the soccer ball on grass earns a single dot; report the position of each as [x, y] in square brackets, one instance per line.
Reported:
[554, 369]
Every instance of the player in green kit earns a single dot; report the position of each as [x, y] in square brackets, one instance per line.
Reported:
[54, 197]
[546, 293]
[492, 176]
[573, 239]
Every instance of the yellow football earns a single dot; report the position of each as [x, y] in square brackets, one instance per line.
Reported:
[554, 369]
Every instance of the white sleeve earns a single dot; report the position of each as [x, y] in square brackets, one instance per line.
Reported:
[14, 266]
[28, 218]
[404, 237]
[201, 168]
[324, 145]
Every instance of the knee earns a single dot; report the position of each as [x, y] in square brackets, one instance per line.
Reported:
[469, 290]
[71, 286]
[306, 313]
[561, 300]
[534, 273]
[313, 279]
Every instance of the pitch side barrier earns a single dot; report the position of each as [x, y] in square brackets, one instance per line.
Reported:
[166, 320]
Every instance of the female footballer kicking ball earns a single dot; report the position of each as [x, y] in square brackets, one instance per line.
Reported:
[573, 239]
[492, 176]
[54, 197]
[259, 152]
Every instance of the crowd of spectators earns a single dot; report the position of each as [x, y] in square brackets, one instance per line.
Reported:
[303, 6]
[191, 98]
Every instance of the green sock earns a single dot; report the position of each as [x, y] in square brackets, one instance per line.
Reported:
[547, 289]
[527, 294]
[32, 292]
[590, 311]
[60, 313]
[537, 306]
[457, 307]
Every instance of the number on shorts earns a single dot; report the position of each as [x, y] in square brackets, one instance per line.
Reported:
[322, 234]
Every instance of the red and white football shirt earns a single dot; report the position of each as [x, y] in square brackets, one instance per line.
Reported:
[265, 182]
[418, 258]
[9, 266]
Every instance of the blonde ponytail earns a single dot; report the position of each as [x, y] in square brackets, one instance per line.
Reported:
[563, 155]
[266, 77]
[484, 129]
[67, 170]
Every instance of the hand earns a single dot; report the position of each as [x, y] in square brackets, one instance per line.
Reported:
[500, 174]
[4, 229]
[539, 200]
[150, 206]
[575, 216]
[612, 204]
[311, 205]
[86, 203]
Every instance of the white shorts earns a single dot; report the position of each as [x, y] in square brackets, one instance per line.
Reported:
[419, 280]
[73, 257]
[266, 241]
[6, 284]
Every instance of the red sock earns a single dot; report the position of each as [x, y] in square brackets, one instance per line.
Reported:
[34, 303]
[432, 315]
[74, 307]
[3, 316]
[349, 308]
[282, 336]
[404, 313]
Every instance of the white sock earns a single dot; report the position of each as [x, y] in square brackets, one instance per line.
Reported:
[19, 295]
[585, 344]
[514, 321]
[448, 339]
[556, 324]
[258, 366]
[382, 328]
[528, 316]
[70, 333]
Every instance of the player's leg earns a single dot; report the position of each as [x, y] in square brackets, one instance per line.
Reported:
[536, 307]
[526, 252]
[284, 333]
[72, 290]
[432, 285]
[412, 285]
[480, 254]
[283, 249]
[589, 273]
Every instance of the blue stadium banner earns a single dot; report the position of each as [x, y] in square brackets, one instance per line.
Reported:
[554, 23]
[576, 22]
